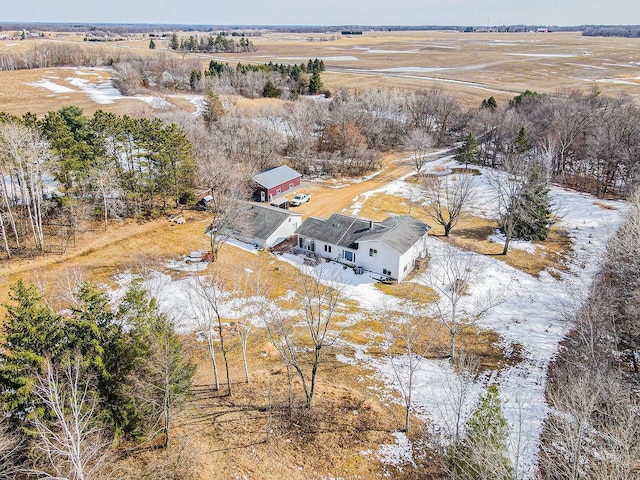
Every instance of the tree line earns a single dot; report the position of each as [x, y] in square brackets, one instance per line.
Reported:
[593, 425]
[221, 43]
[65, 167]
[266, 80]
[589, 142]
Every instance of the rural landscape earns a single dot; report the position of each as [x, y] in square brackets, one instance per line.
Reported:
[319, 253]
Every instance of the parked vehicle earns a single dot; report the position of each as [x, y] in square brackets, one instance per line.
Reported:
[299, 199]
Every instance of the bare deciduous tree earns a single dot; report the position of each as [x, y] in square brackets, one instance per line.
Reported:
[71, 441]
[302, 338]
[228, 186]
[448, 198]
[457, 404]
[419, 142]
[408, 339]
[249, 295]
[450, 274]
[24, 159]
[209, 295]
[10, 445]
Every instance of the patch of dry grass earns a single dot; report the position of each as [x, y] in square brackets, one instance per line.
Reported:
[472, 234]
[379, 206]
[366, 331]
[606, 206]
[409, 291]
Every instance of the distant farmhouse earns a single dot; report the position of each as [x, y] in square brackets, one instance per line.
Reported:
[274, 182]
[390, 248]
[265, 226]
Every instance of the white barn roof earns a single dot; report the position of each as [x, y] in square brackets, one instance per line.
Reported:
[276, 176]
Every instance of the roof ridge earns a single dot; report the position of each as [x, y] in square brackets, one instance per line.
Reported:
[348, 229]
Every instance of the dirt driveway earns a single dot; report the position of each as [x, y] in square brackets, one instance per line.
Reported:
[336, 195]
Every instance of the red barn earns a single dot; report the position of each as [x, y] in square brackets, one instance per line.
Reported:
[274, 182]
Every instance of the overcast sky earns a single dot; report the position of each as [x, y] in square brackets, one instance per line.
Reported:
[325, 12]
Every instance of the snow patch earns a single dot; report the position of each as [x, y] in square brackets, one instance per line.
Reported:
[51, 86]
[398, 453]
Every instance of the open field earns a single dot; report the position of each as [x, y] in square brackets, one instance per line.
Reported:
[470, 66]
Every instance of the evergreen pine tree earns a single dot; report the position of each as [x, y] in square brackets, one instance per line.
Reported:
[213, 109]
[30, 332]
[270, 90]
[483, 452]
[521, 144]
[315, 83]
[468, 152]
[534, 218]
[152, 44]
[490, 103]
[173, 43]
[194, 79]
[163, 380]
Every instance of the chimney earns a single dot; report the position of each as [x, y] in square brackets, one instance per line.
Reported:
[370, 224]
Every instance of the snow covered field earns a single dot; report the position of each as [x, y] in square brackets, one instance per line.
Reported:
[535, 314]
[104, 93]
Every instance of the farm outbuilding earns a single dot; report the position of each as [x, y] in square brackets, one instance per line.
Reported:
[274, 182]
[265, 226]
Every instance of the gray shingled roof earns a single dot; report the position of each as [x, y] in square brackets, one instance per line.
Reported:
[337, 229]
[263, 220]
[399, 233]
[276, 176]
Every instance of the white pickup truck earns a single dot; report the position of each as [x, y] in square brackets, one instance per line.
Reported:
[299, 199]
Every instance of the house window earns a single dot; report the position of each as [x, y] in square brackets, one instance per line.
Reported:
[278, 191]
[373, 252]
[349, 256]
[291, 185]
[405, 268]
[386, 272]
[327, 248]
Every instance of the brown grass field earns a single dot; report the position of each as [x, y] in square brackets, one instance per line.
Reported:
[250, 433]
[470, 66]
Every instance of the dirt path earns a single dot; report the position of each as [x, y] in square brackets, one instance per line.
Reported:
[335, 196]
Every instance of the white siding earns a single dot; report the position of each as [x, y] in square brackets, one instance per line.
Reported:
[397, 266]
[285, 230]
[386, 258]
[336, 254]
[408, 259]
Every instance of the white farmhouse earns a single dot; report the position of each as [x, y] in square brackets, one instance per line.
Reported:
[389, 248]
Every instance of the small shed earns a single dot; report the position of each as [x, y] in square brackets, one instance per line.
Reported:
[273, 182]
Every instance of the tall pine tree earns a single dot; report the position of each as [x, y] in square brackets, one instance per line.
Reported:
[468, 152]
[31, 331]
[315, 83]
[534, 218]
[483, 452]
